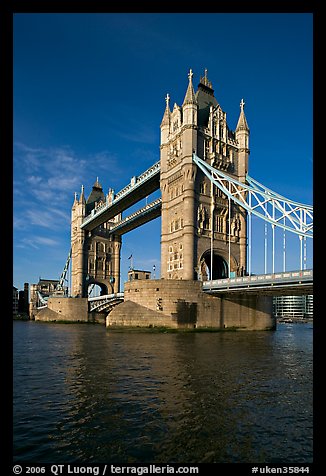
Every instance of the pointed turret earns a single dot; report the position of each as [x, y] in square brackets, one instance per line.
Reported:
[82, 195]
[205, 99]
[242, 136]
[189, 106]
[242, 122]
[95, 196]
[167, 112]
[166, 121]
[97, 184]
[205, 81]
[190, 97]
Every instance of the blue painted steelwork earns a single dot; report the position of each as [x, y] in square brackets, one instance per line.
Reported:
[135, 184]
[271, 281]
[60, 285]
[255, 199]
[252, 196]
[42, 299]
[138, 216]
[105, 302]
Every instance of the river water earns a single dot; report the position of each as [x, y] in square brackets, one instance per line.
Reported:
[86, 394]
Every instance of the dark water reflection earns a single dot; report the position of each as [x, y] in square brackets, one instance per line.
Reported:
[83, 393]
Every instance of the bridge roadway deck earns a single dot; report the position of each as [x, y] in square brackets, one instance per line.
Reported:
[273, 284]
[107, 301]
[139, 188]
[140, 217]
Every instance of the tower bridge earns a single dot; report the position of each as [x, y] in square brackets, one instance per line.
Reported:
[206, 207]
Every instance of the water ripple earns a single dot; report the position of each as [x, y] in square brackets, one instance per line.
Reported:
[84, 394]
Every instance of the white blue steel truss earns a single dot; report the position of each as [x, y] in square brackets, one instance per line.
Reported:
[61, 283]
[258, 200]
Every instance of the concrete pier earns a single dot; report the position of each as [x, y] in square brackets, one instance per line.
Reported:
[64, 309]
[169, 303]
[183, 304]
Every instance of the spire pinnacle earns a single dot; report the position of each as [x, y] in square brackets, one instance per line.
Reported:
[82, 196]
[190, 97]
[205, 81]
[97, 184]
[167, 112]
[242, 121]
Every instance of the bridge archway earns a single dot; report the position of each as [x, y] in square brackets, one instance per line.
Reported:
[96, 288]
[219, 270]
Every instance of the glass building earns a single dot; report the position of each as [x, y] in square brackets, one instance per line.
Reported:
[298, 307]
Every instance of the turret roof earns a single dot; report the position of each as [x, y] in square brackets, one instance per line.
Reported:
[167, 112]
[95, 196]
[205, 98]
[242, 121]
[190, 97]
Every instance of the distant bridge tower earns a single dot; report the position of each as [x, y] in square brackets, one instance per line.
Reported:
[203, 234]
[95, 255]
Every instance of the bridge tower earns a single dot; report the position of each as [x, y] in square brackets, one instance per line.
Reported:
[203, 234]
[95, 255]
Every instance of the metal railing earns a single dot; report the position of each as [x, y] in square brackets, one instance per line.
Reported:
[100, 303]
[261, 280]
[135, 183]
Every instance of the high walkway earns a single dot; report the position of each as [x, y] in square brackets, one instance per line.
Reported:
[138, 188]
[138, 218]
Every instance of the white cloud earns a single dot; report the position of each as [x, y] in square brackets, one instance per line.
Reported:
[45, 182]
[34, 180]
[36, 242]
[47, 218]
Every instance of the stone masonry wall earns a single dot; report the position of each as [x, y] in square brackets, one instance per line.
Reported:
[64, 309]
[181, 303]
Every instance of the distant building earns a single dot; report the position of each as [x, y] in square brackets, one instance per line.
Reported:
[23, 299]
[138, 274]
[309, 310]
[47, 286]
[40, 292]
[298, 307]
[15, 301]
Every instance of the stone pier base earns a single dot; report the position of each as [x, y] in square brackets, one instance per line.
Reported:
[64, 309]
[183, 304]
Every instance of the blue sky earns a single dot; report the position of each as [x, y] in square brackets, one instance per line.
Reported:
[89, 95]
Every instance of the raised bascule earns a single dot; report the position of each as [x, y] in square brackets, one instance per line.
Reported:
[206, 206]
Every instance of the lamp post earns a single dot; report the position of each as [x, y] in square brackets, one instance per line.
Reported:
[154, 268]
